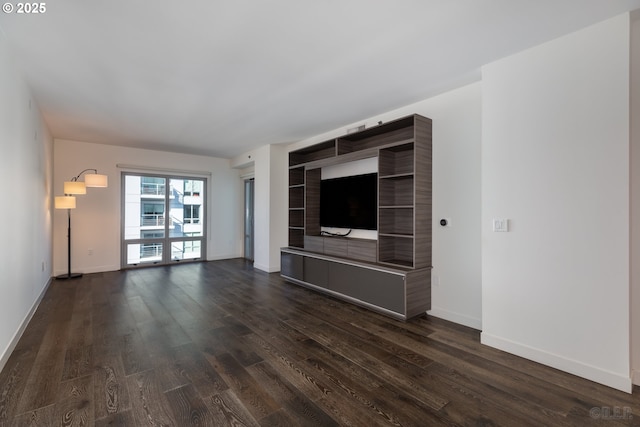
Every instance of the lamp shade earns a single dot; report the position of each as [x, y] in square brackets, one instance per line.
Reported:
[65, 202]
[96, 180]
[75, 187]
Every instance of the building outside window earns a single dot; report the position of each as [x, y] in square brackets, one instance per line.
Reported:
[158, 216]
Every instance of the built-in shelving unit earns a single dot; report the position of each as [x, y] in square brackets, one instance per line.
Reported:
[403, 150]
[296, 206]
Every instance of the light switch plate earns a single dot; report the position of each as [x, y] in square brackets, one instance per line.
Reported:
[500, 225]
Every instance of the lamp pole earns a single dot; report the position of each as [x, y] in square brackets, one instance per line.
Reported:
[69, 275]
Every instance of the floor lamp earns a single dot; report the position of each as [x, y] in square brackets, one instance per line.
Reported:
[68, 202]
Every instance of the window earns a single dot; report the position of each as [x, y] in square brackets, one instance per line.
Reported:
[163, 219]
[192, 188]
[191, 214]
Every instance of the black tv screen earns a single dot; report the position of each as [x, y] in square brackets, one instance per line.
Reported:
[349, 202]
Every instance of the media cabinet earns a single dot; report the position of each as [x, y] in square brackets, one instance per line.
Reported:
[391, 275]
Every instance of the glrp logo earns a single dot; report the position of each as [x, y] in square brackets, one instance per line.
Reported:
[611, 413]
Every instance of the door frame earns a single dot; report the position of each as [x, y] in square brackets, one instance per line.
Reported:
[249, 219]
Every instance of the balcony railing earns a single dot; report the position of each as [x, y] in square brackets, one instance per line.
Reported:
[152, 220]
[150, 251]
[152, 189]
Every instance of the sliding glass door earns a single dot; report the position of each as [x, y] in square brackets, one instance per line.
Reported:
[163, 219]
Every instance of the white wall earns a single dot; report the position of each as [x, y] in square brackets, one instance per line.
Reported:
[635, 196]
[96, 221]
[279, 216]
[555, 162]
[270, 168]
[26, 173]
[456, 115]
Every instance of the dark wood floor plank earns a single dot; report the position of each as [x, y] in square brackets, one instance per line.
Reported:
[297, 405]
[139, 309]
[121, 419]
[41, 417]
[13, 380]
[188, 408]
[134, 354]
[110, 394]
[220, 343]
[246, 388]
[44, 379]
[229, 342]
[78, 362]
[228, 410]
[193, 366]
[75, 402]
[149, 404]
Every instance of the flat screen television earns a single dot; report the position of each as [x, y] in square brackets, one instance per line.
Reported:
[350, 202]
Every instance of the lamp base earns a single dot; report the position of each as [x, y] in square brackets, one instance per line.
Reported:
[68, 276]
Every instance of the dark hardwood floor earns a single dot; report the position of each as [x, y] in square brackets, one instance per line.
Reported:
[219, 344]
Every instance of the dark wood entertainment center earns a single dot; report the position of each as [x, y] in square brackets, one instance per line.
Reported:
[391, 275]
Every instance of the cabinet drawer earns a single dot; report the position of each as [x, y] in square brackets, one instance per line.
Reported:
[371, 286]
[316, 272]
[291, 265]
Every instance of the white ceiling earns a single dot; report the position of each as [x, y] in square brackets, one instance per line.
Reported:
[221, 77]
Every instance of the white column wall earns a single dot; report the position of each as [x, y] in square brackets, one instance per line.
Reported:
[262, 207]
[271, 210]
[26, 173]
[279, 205]
[555, 162]
[96, 221]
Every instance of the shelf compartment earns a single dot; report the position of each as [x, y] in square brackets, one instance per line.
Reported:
[397, 221]
[296, 237]
[396, 191]
[377, 136]
[296, 218]
[296, 197]
[395, 250]
[323, 150]
[397, 160]
[296, 176]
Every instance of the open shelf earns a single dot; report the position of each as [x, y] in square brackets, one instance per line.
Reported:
[396, 191]
[296, 218]
[397, 221]
[296, 237]
[296, 176]
[397, 160]
[397, 250]
[296, 197]
[377, 136]
[320, 151]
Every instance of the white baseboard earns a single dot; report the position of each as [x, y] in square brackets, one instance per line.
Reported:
[592, 373]
[221, 257]
[98, 269]
[266, 268]
[4, 358]
[458, 318]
